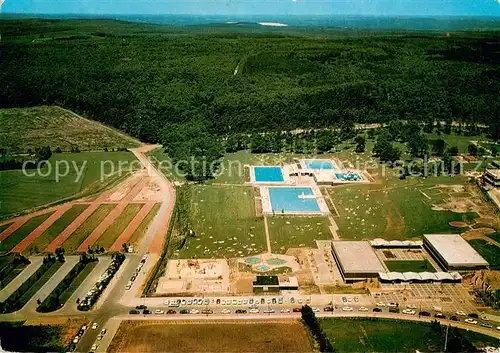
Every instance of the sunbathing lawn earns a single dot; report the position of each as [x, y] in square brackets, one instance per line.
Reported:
[223, 219]
[296, 232]
[489, 252]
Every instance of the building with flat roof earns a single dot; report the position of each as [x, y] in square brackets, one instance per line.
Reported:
[274, 284]
[452, 252]
[492, 177]
[356, 260]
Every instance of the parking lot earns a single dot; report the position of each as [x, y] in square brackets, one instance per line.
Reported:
[449, 297]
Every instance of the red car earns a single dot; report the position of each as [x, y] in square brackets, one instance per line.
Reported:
[171, 311]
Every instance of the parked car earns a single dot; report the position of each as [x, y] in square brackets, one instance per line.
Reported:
[486, 325]
[380, 304]
[454, 318]
[207, 311]
[363, 309]
[171, 311]
[474, 315]
[184, 311]
[134, 312]
[268, 311]
[159, 311]
[409, 311]
[297, 310]
[225, 311]
[461, 313]
[141, 307]
[424, 313]
[253, 311]
[328, 308]
[240, 311]
[394, 310]
[471, 321]
[440, 316]
[377, 310]
[347, 308]
[411, 306]
[94, 326]
[194, 311]
[292, 300]
[146, 312]
[285, 311]
[94, 347]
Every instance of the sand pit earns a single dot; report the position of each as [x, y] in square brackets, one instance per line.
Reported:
[228, 336]
[195, 276]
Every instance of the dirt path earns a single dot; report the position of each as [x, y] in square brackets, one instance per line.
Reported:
[101, 228]
[132, 226]
[66, 233]
[20, 247]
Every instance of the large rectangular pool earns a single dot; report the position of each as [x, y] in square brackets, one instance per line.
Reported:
[319, 164]
[293, 200]
[268, 174]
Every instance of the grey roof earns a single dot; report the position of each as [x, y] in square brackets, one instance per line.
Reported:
[357, 257]
[455, 250]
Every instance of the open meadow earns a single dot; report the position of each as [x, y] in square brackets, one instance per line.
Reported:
[21, 192]
[352, 335]
[227, 336]
[30, 128]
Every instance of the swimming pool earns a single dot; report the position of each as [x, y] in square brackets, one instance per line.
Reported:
[268, 174]
[292, 200]
[347, 176]
[319, 164]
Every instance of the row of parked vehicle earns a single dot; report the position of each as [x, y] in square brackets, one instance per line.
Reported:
[234, 302]
[136, 273]
[102, 282]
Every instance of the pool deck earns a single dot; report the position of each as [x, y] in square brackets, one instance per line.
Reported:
[268, 209]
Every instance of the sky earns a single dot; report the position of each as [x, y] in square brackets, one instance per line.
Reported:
[258, 7]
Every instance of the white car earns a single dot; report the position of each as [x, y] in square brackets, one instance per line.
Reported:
[225, 311]
[84, 327]
[189, 302]
[94, 326]
[94, 347]
[268, 301]
[159, 311]
[245, 302]
[411, 306]
[239, 302]
[253, 311]
[194, 311]
[347, 308]
[461, 313]
[285, 311]
[363, 309]
[76, 339]
[380, 304]
[485, 318]
[498, 328]
[234, 302]
[409, 312]
[199, 302]
[183, 302]
[299, 301]
[316, 310]
[268, 311]
[471, 321]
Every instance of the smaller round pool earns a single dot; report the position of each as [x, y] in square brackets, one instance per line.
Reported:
[253, 260]
[276, 261]
[262, 268]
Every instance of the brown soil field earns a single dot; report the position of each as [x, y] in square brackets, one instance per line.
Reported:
[228, 336]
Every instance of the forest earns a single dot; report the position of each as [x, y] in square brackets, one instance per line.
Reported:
[190, 88]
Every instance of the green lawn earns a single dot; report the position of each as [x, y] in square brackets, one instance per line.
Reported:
[21, 192]
[53, 231]
[121, 222]
[410, 266]
[82, 232]
[4, 227]
[12, 240]
[489, 252]
[397, 209]
[143, 227]
[77, 281]
[460, 141]
[224, 221]
[295, 232]
[349, 335]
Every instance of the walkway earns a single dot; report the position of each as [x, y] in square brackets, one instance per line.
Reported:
[268, 238]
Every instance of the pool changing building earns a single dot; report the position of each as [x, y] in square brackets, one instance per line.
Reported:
[356, 260]
[452, 252]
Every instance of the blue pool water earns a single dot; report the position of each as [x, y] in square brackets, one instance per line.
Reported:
[319, 164]
[268, 174]
[286, 199]
[348, 176]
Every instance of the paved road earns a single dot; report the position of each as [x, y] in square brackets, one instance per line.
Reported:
[36, 262]
[51, 284]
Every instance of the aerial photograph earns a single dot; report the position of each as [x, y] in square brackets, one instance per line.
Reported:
[236, 176]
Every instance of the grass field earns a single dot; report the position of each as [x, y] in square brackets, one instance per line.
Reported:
[9, 270]
[21, 192]
[410, 266]
[223, 219]
[4, 227]
[29, 128]
[489, 252]
[53, 231]
[295, 232]
[82, 232]
[390, 336]
[22, 232]
[159, 336]
[141, 230]
[121, 222]
[397, 209]
[459, 141]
